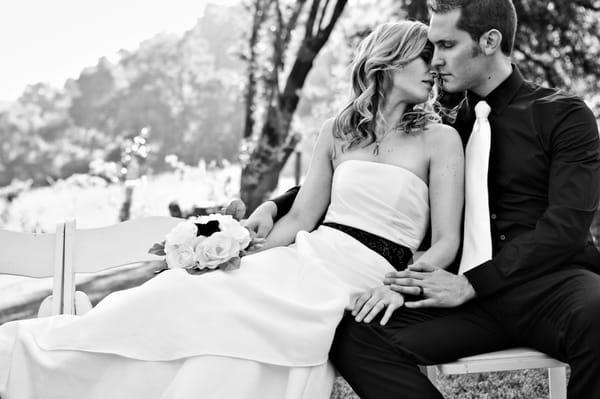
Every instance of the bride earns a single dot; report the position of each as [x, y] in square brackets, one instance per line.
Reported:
[264, 330]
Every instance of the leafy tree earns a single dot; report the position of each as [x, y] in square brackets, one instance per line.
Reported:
[186, 89]
[28, 132]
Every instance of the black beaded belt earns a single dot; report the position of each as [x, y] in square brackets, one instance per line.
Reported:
[397, 255]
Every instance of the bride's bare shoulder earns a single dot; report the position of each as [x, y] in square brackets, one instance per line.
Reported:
[325, 140]
[442, 137]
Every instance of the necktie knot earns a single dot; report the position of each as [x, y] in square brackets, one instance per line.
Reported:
[482, 110]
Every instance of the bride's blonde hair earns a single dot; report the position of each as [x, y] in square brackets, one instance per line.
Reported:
[390, 46]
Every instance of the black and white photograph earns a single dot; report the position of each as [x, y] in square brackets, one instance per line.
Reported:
[300, 199]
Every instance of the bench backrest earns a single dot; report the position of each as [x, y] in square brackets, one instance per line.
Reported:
[70, 250]
[98, 249]
[36, 255]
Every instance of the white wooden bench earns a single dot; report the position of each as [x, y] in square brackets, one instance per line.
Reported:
[99, 249]
[71, 250]
[39, 256]
[507, 360]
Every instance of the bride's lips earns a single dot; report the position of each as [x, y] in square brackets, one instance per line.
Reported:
[440, 78]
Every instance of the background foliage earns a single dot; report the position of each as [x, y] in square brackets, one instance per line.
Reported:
[185, 90]
[260, 78]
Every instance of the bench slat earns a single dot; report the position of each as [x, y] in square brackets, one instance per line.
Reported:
[511, 359]
[98, 249]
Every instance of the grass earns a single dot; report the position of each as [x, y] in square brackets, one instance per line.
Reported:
[525, 384]
[93, 202]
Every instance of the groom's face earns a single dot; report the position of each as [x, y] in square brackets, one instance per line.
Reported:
[457, 57]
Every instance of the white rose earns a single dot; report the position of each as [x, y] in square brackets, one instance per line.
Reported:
[233, 228]
[203, 219]
[212, 251]
[180, 256]
[181, 234]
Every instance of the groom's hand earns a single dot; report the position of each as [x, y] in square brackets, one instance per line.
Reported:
[370, 303]
[438, 287]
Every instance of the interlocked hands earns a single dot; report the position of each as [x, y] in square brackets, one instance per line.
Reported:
[436, 286]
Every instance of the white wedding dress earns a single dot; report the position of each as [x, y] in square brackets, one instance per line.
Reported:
[262, 331]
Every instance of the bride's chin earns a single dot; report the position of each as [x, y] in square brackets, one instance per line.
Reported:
[422, 99]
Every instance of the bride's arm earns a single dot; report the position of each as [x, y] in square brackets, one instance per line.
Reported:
[314, 195]
[446, 195]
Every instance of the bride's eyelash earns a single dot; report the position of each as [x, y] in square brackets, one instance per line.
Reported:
[427, 52]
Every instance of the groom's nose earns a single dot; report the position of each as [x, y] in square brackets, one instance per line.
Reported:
[436, 60]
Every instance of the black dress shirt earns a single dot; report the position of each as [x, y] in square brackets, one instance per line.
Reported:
[543, 181]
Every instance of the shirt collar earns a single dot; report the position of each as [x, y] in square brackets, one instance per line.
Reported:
[502, 95]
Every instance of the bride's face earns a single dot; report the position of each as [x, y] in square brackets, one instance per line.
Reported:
[413, 82]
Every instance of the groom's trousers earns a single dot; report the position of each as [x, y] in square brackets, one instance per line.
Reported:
[558, 314]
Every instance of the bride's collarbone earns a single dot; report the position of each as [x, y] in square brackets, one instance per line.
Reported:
[415, 164]
[407, 152]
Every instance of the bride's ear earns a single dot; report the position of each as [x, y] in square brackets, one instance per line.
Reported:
[490, 42]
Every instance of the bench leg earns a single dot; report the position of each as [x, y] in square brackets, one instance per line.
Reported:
[431, 372]
[557, 378]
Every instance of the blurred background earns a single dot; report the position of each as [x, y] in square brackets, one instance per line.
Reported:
[115, 110]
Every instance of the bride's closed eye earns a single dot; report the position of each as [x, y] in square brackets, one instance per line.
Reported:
[427, 52]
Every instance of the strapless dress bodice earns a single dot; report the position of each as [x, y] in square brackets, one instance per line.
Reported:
[383, 199]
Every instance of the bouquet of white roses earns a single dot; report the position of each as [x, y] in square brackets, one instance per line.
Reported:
[205, 243]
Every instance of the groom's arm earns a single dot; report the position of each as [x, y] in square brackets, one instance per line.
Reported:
[263, 218]
[284, 202]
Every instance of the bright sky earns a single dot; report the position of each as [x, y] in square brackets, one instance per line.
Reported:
[52, 40]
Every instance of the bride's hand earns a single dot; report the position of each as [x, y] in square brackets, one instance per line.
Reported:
[256, 245]
[260, 222]
[370, 303]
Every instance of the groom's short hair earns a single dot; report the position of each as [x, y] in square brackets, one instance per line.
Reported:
[479, 16]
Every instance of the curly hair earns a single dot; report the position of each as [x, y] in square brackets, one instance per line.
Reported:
[389, 46]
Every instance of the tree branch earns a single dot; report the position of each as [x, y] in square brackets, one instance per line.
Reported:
[323, 12]
[337, 11]
[277, 41]
[259, 8]
[310, 22]
[291, 23]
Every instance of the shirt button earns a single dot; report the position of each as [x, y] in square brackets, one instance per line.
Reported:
[502, 237]
[493, 216]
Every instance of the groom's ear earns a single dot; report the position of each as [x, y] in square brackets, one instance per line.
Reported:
[490, 41]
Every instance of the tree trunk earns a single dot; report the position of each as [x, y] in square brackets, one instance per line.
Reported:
[254, 192]
[276, 143]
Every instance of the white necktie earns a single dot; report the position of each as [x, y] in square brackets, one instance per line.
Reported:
[477, 239]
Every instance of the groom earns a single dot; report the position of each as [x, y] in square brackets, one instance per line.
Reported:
[541, 287]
